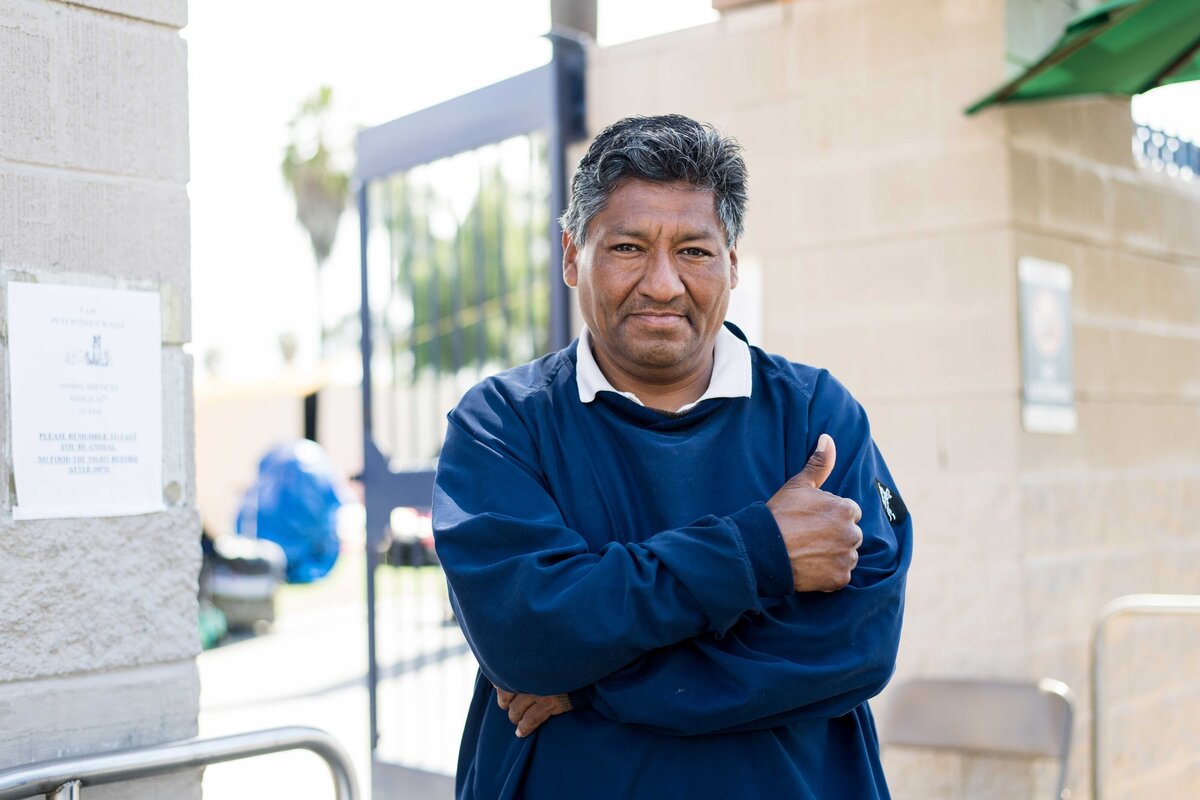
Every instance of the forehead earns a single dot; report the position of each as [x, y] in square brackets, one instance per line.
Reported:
[636, 203]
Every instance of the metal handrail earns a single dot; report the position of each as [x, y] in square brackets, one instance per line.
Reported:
[1129, 604]
[48, 777]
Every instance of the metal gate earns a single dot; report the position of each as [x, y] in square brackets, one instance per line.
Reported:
[460, 266]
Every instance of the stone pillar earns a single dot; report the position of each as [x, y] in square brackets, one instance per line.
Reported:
[98, 632]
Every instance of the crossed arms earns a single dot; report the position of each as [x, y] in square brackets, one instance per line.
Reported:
[772, 613]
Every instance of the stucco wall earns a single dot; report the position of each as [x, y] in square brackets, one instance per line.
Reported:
[98, 616]
[887, 227]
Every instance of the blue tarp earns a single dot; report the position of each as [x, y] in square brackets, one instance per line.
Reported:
[294, 503]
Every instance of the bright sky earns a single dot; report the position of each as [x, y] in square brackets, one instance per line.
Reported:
[250, 65]
[1174, 109]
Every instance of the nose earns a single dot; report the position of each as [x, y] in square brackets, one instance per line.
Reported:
[660, 282]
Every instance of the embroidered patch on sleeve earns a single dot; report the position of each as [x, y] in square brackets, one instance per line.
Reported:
[893, 506]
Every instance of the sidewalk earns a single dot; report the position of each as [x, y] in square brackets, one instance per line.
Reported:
[310, 670]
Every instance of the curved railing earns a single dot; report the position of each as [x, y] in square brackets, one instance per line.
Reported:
[1136, 604]
[64, 778]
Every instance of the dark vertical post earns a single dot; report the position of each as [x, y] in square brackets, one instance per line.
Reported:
[568, 125]
[388, 215]
[528, 234]
[458, 273]
[481, 278]
[310, 416]
[410, 284]
[435, 303]
[368, 439]
[503, 199]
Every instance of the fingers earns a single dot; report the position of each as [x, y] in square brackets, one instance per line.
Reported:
[820, 530]
[529, 711]
[503, 698]
[519, 706]
[820, 463]
[854, 509]
[538, 713]
[845, 572]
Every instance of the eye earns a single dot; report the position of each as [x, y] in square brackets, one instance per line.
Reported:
[695, 252]
[625, 247]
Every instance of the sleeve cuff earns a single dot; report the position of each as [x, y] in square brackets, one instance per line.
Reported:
[581, 698]
[765, 550]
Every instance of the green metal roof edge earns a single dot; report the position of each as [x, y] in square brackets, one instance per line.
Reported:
[1074, 36]
[1087, 19]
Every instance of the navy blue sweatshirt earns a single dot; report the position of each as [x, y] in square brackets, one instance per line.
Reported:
[627, 557]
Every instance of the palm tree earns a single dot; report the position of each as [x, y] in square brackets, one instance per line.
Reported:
[320, 189]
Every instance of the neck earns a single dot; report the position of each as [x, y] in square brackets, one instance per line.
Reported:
[662, 393]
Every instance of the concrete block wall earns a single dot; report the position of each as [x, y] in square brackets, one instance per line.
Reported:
[98, 633]
[888, 226]
[1110, 510]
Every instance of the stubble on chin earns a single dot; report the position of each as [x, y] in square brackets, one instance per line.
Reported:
[657, 352]
[658, 356]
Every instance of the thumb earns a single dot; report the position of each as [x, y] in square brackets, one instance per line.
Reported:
[819, 465]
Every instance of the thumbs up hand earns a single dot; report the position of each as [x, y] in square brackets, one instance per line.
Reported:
[820, 530]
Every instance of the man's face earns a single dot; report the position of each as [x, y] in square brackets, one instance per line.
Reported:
[654, 280]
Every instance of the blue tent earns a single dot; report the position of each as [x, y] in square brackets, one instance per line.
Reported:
[294, 503]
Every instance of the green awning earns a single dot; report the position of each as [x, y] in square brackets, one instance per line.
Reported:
[1123, 47]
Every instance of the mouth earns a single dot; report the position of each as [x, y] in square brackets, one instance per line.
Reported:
[658, 319]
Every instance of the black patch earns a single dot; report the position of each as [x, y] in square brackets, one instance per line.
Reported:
[893, 506]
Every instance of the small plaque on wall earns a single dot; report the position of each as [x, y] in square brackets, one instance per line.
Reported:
[85, 378]
[1047, 347]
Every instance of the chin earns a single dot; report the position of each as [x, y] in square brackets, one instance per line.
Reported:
[660, 354]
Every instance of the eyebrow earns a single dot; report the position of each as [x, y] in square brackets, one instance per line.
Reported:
[689, 236]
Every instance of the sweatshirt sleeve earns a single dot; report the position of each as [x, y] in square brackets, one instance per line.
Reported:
[811, 654]
[540, 611]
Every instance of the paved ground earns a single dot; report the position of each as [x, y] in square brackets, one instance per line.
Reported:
[310, 670]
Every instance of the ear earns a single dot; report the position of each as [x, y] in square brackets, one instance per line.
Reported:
[570, 265]
[733, 264]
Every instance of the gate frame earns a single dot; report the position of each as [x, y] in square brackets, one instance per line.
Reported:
[550, 98]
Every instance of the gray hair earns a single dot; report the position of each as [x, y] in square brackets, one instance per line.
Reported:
[667, 148]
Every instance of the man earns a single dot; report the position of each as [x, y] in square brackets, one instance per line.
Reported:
[679, 560]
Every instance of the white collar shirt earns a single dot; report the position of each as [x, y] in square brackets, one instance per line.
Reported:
[731, 375]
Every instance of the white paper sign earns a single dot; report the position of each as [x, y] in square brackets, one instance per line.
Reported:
[85, 369]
